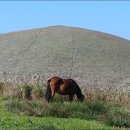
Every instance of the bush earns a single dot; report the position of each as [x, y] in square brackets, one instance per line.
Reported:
[27, 92]
[30, 108]
[1, 88]
[118, 118]
[16, 106]
[9, 90]
[37, 92]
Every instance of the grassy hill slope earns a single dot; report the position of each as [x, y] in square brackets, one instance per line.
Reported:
[89, 57]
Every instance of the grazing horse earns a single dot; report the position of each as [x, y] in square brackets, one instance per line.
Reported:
[63, 87]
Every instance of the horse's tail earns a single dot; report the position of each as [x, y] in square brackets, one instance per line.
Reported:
[48, 91]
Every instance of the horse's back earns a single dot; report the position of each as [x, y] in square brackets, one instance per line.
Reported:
[55, 80]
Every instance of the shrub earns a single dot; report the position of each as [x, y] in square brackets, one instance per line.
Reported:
[37, 92]
[1, 88]
[118, 117]
[11, 91]
[16, 106]
[30, 108]
[27, 92]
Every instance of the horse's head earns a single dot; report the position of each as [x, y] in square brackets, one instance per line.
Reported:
[79, 94]
[81, 97]
[48, 97]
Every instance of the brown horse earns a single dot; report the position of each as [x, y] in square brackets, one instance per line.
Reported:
[63, 87]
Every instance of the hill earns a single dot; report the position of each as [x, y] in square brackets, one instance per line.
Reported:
[88, 56]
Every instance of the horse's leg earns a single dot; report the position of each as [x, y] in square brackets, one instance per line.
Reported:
[52, 94]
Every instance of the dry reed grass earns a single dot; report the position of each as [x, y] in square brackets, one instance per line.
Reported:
[92, 94]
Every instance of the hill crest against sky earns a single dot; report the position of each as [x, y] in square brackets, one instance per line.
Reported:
[62, 26]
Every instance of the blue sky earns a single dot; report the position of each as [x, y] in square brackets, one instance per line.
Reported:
[106, 16]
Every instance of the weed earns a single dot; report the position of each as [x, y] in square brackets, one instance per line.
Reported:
[1, 88]
[27, 89]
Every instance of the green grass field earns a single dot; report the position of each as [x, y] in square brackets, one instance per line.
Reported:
[13, 121]
[16, 119]
[97, 112]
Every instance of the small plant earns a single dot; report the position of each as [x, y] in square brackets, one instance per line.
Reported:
[27, 92]
[1, 88]
[9, 90]
[37, 92]
[16, 106]
[97, 107]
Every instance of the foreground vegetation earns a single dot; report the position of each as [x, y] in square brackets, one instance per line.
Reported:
[51, 117]
[23, 107]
